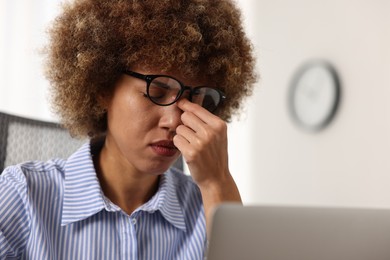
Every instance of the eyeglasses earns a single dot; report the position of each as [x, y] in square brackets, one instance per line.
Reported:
[165, 90]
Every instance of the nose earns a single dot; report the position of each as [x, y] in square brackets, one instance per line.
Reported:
[170, 117]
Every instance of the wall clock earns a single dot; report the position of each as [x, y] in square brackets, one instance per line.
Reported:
[314, 95]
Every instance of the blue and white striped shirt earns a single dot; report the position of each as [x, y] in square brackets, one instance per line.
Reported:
[57, 210]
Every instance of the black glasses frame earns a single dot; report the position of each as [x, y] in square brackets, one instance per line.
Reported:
[184, 88]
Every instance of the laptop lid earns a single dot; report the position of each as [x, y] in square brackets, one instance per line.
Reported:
[299, 233]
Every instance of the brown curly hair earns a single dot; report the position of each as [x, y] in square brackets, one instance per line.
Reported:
[92, 42]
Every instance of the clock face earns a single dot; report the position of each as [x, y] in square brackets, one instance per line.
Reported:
[314, 95]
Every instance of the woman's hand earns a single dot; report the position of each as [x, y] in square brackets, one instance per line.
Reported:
[202, 140]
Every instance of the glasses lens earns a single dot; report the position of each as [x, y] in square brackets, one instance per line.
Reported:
[208, 98]
[164, 90]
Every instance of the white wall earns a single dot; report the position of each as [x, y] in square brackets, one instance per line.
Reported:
[23, 89]
[272, 160]
[347, 164]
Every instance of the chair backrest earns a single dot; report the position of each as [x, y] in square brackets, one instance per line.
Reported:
[23, 139]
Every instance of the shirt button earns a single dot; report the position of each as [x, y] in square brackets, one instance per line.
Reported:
[134, 221]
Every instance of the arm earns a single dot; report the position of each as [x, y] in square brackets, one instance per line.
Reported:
[202, 140]
[14, 220]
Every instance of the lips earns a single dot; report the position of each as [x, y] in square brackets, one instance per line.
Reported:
[164, 148]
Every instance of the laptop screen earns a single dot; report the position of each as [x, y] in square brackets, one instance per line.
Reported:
[299, 233]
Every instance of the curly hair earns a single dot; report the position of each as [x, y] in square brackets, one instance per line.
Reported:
[91, 42]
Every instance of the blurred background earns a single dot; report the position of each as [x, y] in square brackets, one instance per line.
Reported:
[273, 160]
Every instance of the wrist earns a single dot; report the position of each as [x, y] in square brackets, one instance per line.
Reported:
[220, 190]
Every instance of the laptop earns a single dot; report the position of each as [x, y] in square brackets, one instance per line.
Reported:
[299, 233]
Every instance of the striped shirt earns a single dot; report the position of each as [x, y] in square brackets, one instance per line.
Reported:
[57, 210]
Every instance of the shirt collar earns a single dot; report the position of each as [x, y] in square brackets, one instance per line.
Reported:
[83, 196]
[166, 201]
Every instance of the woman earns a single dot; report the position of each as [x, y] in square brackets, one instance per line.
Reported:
[146, 81]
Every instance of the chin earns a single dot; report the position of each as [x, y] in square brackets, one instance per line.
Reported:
[158, 168]
[156, 165]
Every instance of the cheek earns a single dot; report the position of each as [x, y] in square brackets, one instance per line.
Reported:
[132, 114]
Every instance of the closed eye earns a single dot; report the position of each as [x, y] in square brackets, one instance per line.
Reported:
[158, 90]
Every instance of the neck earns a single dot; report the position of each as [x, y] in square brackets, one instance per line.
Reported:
[122, 184]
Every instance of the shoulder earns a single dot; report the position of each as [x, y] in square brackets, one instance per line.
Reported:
[18, 184]
[19, 180]
[23, 172]
[25, 177]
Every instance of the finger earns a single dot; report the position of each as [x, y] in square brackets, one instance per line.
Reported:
[181, 143]
[187, 133]
[189, 152]
[192, 121]
[202, 113]
[203, 130]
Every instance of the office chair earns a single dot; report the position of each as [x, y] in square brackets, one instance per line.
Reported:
[23, 139]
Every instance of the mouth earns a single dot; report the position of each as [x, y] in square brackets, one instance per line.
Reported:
[164, 148]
